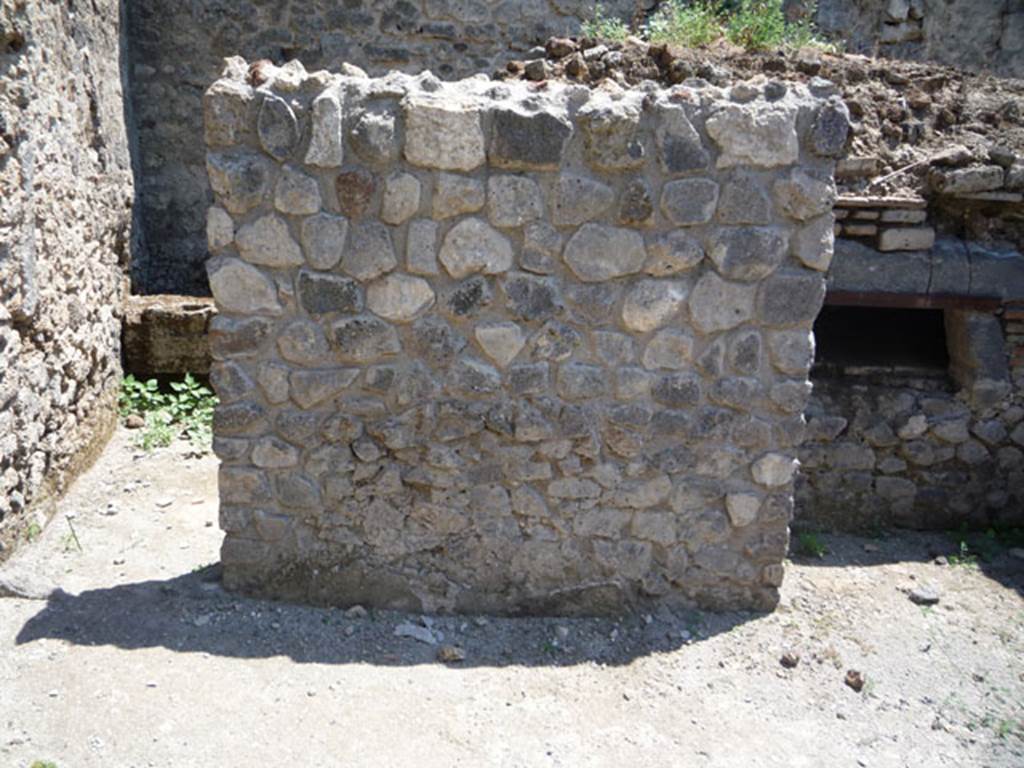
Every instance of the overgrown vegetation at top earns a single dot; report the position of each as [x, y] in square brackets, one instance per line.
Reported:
[187, 409]
[754, 25]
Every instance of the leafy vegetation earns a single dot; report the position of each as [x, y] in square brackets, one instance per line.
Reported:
[972, 547]
[811, 545]
[602, 27]
[187, 409]
[754, 25]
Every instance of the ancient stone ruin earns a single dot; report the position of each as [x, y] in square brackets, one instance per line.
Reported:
[493, 347]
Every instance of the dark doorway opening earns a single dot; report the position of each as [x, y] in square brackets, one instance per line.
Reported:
[872, 341]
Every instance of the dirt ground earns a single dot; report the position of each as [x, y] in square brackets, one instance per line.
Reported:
[141, 659]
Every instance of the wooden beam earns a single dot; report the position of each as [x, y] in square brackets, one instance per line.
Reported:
[912, 300]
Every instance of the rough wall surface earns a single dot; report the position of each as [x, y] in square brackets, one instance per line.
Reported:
[499, 347]
[65, 205]
[177, 50]
[977, 35]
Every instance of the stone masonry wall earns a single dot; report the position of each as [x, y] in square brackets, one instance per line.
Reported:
[65, 205]
[499, 347]
[177, 49]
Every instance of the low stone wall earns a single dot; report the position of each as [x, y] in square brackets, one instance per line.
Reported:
[507, 348]
[65, 211]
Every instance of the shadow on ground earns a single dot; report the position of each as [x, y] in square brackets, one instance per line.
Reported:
[191, 613]
[988, 552]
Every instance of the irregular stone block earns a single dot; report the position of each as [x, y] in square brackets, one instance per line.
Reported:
[762, 134]
[399, 298]
[473, 246]
[454, 194]
[370, 252]
[669, 349]
[578, 200]
[671, 253]
[310, 388]
[355, 191]
[364, 339]
[800, 196]
[831, 128]
[689, 201]
[611, 135]
[323, 240]
[277, 127]
[468, 297]
[577, 381]
[717, 305]
[267, 242]
[242, 289]
[513, 201]
[774, 470]
[743, 201]
[442, 134]
[501, 341]
[677, 390]
[680, 149]
[321, 294]
[220, 228]
[531, 298]
[401, 198]
[523, 141]
[303, 342]
[597, 252]
[326, 148]
[226, 106]
[373, 137]
[747, 253]
[636, 205]
[652, 303]
[240, 179]
[421, 247]
[473, 377]
[789, 298]
[436, 341]
[906, 239]
[814, 243]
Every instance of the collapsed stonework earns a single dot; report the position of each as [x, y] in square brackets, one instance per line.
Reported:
[507, 348]
[65, 212]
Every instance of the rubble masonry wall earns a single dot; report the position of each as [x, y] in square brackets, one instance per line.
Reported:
[507, 348]
[65, 212]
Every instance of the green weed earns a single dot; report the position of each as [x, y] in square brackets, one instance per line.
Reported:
[43, 764]
[811, 545]
[33, 531]
[692, 24]
[602, 27]
[187, 409]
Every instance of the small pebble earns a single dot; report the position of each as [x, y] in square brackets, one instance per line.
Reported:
[789, 659]
[356, 612]
[450, 654]
[855, 680]
[924, 595]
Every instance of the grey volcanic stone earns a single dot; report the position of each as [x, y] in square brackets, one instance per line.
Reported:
[436, 341]
[689, 201]
[468, 376]
[522, 141]
[220, 228]
[814, 243]
[677, 390]
[226, 105]
[277, 127]
[370, 252]
[578, 200]
[747, 253]
[528, 379]
[241, 288]
[468, 297]
[320, 294]
[671, 253]
[598, 252]
[373, 137]
[273, 453]
[268, 242]
[364, 339]
[240, 179]
[761, 134]
[474, 246]
[421, 247]
[310, 388]
[296, 193]
[237, 337]
[323, 240]
[670, 349]
[792, 352]
[513, 201]
[532, 298]
[577, 381]
[501, 341]
[243, 418]
[680, 149]
[542, 246]
[717, 305]
[788, 298]
[635, 203]
[614, 348]
[831, 128]
[743, 201]
[303, 343]
[555, 341]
